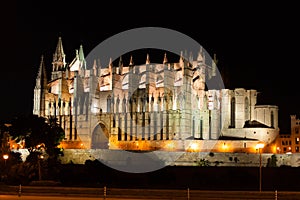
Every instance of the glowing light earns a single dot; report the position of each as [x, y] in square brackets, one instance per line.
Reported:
[170, 145]
[5, 156]
[260, 146]
[274, 149]
[224, 146]
[194, 146]
[41, 157]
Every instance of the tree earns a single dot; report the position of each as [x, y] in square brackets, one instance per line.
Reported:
[42, 136]
[272, 162]
[203, 163]
[4, 147]
[39, 133]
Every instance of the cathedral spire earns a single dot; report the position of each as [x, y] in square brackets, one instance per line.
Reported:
[59, 57]
[40, 90]
[41, 80]
[59, 52]
[147, 59]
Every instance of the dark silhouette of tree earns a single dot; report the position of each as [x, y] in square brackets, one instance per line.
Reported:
[272, 162]
[3, 138]
[39, 133]
[42, 137]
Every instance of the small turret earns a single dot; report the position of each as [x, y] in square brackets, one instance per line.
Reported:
[131, 63]
[120, 66]
[165, 61]
[82, 58]
[147, 59]
[214, 65]
[200, 55]
[95, 68]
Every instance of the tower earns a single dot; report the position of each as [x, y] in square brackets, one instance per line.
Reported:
[186, 111]
[40, 90]
[59, 60]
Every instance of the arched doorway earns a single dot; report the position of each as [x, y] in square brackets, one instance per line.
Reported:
[100, 137]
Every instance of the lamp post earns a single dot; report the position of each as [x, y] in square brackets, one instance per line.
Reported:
[5, 157]
[260, 146]
[39, 166]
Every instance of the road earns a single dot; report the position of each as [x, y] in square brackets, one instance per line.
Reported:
[143, 194]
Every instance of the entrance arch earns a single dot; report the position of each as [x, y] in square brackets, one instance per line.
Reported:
[100, 137]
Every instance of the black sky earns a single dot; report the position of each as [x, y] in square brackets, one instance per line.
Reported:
[256, 44]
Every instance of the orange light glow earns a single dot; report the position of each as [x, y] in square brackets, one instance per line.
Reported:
[194, 147]
[224, 146]
[260, 146]
[5, 156]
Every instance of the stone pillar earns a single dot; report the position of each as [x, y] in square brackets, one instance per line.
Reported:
[152, 125]
[215, 122]
[123, 130]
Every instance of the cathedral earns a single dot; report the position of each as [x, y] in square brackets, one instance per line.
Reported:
[150, 106]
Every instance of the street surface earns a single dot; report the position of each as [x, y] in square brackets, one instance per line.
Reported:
[54, 193]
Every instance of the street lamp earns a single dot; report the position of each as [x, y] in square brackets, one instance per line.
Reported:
[5, 157]
[260, 146]
[39, 165]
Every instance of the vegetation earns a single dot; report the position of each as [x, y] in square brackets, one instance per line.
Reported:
[272, 162]
[39, 133]
[203, 163]
[41, 136]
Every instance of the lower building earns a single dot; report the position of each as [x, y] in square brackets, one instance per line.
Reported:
[289, 143]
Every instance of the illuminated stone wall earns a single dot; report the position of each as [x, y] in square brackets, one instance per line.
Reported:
[79, 156]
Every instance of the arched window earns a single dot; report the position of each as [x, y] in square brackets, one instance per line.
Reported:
[124, 105]
[108, 103]
[201, 128]
[232, 113]
[247, 110]
[193, 127]
[272, 119]
[117, 104]
[119, 129]
[216, 103]
[205, 103]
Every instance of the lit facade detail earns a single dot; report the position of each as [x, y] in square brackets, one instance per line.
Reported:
[290, 143]
[150, 106]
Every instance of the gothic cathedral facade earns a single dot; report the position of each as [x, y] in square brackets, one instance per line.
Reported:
[148, 106]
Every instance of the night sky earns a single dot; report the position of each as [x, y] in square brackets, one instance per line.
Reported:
[257, 45]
